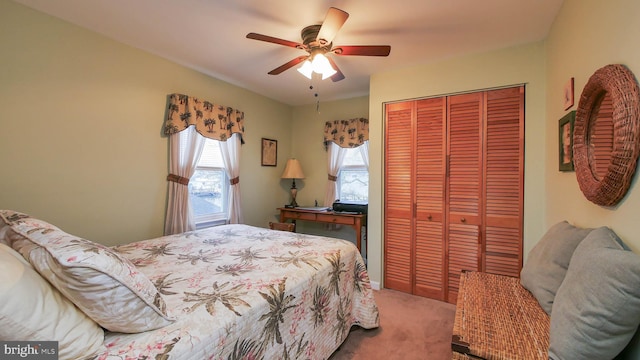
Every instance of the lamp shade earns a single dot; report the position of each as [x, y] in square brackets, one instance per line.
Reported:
[320, 64]
[306, 69]
[293, 170]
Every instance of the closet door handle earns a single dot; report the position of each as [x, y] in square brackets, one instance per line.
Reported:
[463, 220]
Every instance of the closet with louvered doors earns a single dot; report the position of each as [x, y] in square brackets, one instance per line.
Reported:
[453, 190]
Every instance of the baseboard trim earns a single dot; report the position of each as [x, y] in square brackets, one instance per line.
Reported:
[375, 285]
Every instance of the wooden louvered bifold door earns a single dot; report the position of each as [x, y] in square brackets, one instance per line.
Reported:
[504, 181]
[429, 172]
[454, 185]
[398, 202]
[464, 184]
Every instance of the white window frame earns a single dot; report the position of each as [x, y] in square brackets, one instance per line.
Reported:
[218, 218]
[359, 168]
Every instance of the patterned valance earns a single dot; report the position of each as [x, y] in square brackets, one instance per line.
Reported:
[347, 133]
[212, 121]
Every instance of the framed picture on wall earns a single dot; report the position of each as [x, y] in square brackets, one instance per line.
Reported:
[565, 140]
[568, 94]
[269, 152]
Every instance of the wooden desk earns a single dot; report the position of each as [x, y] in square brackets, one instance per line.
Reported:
[356, 221]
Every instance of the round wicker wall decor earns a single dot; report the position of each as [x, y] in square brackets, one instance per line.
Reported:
[605, 184]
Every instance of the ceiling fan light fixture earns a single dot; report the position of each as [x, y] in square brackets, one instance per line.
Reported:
[328, 73]
[319, 64]
[317, 40]
[306, 69]
[322, 66]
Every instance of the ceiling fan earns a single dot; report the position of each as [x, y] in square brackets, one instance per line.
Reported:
[317, 41]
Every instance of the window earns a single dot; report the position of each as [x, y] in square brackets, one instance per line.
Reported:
[353, 178]
[209, 187]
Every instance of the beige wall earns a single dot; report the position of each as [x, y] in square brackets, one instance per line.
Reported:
[587, 35]
[80, 138]
[518, 65]
[307, 146]
[81, 147]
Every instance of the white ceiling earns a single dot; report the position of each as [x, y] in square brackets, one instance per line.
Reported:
[209, 35]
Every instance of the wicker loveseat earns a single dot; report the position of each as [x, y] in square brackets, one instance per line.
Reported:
[578, 297]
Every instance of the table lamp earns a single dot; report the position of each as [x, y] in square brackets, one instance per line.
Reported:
[293, 170]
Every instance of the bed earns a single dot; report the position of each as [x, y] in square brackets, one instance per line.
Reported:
[226, 292]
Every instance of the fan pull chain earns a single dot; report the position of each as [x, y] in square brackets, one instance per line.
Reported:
[315, 94]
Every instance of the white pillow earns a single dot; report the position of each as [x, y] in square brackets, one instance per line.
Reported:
[31, 309]
[102, 283]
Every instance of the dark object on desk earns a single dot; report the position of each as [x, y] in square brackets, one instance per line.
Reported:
[359, 207]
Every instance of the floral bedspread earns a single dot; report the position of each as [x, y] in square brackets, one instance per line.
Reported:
[243, 292]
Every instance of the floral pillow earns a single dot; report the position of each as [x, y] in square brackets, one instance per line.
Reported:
[103, 284]
[30, 309]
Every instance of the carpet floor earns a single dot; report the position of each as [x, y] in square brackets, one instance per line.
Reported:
[411, 327]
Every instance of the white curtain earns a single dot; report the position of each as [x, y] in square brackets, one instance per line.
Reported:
[185, 148]
[364, 151]
[230, 150]
[335, 156]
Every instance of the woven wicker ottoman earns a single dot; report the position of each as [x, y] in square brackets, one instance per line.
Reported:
[496, 318]
[458, 356]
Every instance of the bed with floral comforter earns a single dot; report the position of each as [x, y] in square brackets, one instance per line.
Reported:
[227, 292]
[243, 292]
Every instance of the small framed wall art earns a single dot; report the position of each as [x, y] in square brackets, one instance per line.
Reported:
[565, 136]
[269, 152]
[568, 94]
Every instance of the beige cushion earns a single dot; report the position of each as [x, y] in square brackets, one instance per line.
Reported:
[548, 261]
[31, 309]
[597, 308]
[102, 283]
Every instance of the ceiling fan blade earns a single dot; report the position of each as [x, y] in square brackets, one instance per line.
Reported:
[338, 75]
[288, 65]
[363, 50]
[274, 40]
[333, 21]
